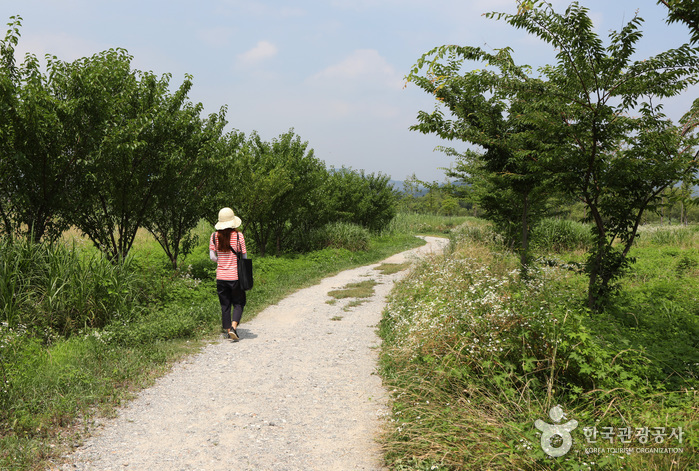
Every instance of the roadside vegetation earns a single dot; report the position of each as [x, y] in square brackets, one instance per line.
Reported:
[473, 354]
[556, 294]
[561, 331]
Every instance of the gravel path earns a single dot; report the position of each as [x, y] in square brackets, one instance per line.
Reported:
[297, 392]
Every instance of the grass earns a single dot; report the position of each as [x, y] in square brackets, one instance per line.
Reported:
[391, 268]
[55, 381]
[501, 352]
[362, 289]
[359, 291]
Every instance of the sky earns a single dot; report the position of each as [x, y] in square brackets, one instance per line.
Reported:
[333, 70]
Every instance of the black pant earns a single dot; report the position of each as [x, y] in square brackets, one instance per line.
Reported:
[230, 295]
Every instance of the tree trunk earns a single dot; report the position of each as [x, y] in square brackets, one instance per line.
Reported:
[524, 249]
[592, 291]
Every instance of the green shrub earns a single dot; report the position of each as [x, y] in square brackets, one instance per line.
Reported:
[365, 199]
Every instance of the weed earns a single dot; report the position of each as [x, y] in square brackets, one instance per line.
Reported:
[338, 235]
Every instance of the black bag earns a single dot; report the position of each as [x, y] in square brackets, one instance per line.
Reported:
[245, 280]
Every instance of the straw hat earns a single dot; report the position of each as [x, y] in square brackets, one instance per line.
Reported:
[227, 220]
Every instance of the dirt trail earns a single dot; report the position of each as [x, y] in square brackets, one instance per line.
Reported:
[297, 392]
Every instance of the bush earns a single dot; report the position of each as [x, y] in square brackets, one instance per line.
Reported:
[355, 197]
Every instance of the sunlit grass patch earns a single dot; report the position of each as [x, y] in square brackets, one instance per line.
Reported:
[361, 289]
[360, 292]
[430, 224]
[662, 235]
[391, 268]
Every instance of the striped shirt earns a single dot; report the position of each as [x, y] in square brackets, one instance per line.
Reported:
[227, 263]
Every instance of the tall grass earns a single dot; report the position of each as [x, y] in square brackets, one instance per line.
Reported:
[61, 289]
[340, 235]
[682, 236]
[561, 235]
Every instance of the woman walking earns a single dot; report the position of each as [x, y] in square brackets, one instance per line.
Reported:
[222, 245]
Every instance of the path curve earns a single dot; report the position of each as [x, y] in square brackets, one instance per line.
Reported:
[297, 392]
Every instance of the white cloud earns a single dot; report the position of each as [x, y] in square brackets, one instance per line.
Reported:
[363, 65]
[262, 51]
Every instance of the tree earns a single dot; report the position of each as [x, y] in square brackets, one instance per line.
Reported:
[275, 186]
[605, 139]
[684, 11]
[8, 93]
[36, 163]
[188, 175]
[355, 197]
[488, 108]
[616, 150]
[122, 117]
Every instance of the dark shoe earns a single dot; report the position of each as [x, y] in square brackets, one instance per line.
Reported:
[233, 335]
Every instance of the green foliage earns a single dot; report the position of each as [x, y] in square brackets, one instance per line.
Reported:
[33, 162]
[487, 109]
[137, 142]
[589, 126]
[188, 179]
[355, 197]
[276, 187]
[684, 11]
[54, 289]
[444, 199]
[101, 147]
[473, 355]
